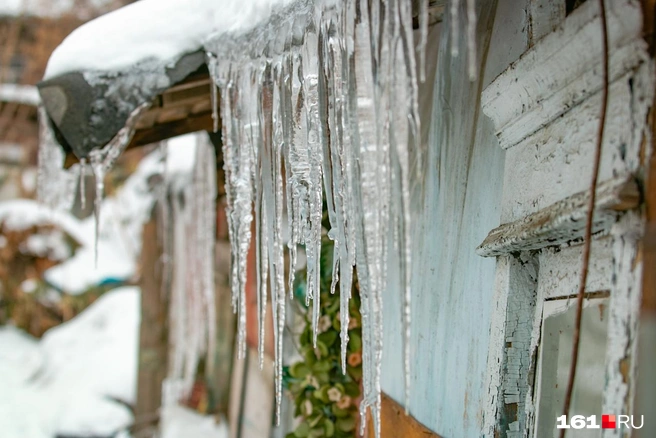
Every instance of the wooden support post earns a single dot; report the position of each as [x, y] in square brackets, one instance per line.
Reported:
[646, 379]
[395, 423]
[153, 339]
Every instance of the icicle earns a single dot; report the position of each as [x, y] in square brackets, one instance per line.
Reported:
[455, 23]
[400, 141]
[423, 28]
[344, 122]
[471, 40]
[98, 169]
[211, 62]
[55, 186]
[83, 194]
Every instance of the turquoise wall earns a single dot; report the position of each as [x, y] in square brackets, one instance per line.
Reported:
[457, 202]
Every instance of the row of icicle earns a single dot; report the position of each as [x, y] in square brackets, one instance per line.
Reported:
[326, 98]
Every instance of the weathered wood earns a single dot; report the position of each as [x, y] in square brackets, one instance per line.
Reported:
[201, 122]
[563, 221]
[153, 331]
[646, 381]
[395, 423]
[220, 381]
[182, 109]
[563, 70]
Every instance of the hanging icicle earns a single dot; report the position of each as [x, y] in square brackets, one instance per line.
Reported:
[193, 309]
[325, 94]
[55, 185]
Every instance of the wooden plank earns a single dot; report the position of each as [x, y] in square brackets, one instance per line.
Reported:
[562, 70]
[201, 122]
[563, 221]
[395, 423]
[153, 339]
[646, 381]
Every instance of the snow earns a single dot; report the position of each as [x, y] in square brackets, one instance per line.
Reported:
[21, 214]
[75, 380]
[153, 29]
[181, 422]
[121, 223]
[64, 384]
[25, 94]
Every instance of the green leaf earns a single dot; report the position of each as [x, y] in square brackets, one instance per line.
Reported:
[323, 348]
[328, 338]
[355, 341]
[299, 370]
[352, 389]
[315, 419]
[355, 373]
[329, 427]
[346, 424]
[322, 377]
[339, 413]
[302, 430]
[323, 365]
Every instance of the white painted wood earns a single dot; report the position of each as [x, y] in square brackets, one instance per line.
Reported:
[545, 109]
[560, 269]
[563, 69]
[621, 353]
[556, 161]
[563, 221]
[544, 18]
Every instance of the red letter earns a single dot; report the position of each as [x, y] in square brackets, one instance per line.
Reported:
[608, 421]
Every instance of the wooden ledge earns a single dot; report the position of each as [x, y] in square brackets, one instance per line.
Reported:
[563, 221]
[395, 423]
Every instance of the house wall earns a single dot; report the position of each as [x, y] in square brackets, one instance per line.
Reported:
[457, 203]
[517, 143]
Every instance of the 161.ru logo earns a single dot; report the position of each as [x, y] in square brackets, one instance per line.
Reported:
[607, 422]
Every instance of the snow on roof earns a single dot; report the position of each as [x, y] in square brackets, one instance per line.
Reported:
[25, 94]
[161, 30]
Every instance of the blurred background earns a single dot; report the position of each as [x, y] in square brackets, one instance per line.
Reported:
[68, 348]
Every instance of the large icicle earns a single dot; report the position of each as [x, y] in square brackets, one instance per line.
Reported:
[55, 186]
[193, 308]
[330, 97]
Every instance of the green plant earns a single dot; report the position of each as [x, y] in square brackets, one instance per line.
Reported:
[325, 399]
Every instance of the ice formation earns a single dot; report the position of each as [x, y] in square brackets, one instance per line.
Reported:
[319, 103]
[55, 186]
[326, 100]
[188, 261]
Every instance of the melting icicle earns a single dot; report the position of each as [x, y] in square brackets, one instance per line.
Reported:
[423, 26]
[193, 307]
[455, 23]
[98, 169]
[55, 185]
[211, 62]
[471, 40]
[335, 105]
[83, 194]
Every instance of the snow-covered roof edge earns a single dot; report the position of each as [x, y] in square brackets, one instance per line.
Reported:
[108, 74]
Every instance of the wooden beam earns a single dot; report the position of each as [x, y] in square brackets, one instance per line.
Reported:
[646, 379]
[153, 340]
[395, 423]
[563, 221]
